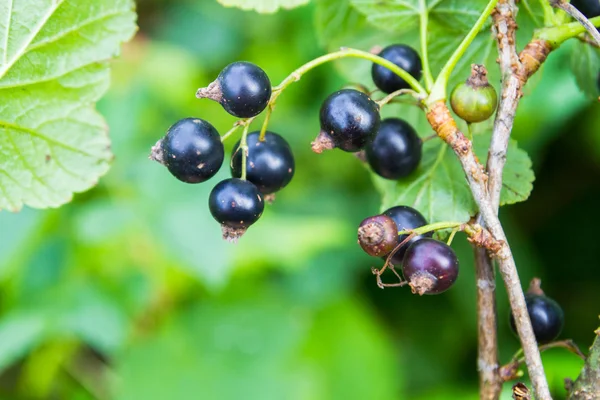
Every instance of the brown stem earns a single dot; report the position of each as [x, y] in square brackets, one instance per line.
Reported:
[444, 125]
[490, 384]
[587, 385]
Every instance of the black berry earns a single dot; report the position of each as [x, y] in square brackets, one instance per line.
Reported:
[349, 120]
[589, 8]
[403, 56]
[474, 100]
[242, 88]
[378, 235]
[396, 150]
[269, 165]
[406, 218]
[235, 204]
[547, 317]
[430, 266]
[191, 150]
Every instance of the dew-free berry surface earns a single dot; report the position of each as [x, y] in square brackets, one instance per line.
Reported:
[245, 89]
[269, 165]
[430, 266]
[474, 100]
[235, 204]
[191, 150]
[350, 118]
[547, 317]
[403, 56]
[396, 150]
[406, 218]
[378, 235]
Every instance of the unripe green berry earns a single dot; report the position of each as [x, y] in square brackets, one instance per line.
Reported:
[474, 100]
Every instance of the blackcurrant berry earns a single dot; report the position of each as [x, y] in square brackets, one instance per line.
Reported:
[474, 100]
[589, 8]
[378, 235]
[349, 120]
[547, 317]
[406, 218]
[269, 165]
[242, 88]
[235, 204]
[396, 150]
[403, 56]
[191, 150]
[430, 266]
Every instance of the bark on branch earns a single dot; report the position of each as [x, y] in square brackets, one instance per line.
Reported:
[587, 385]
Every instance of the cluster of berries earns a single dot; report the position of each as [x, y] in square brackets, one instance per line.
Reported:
[428, 265]
[193, 152]
[350, 120]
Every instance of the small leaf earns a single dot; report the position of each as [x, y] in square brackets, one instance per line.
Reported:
[52, 70]
[263, 6]
[585, 64]
[439, 190]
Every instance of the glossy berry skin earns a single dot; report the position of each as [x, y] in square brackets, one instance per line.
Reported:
[430, 266]
[396, 150]
[403, 56]
[192, 150]
[350, 118]
[269, 165]
[378, 235]
[245, 89]
[547, 317]
[406, 218]
[589, 8]
[474, 104]
[235, 204]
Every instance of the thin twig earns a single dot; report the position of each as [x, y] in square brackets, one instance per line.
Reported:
[575, 13]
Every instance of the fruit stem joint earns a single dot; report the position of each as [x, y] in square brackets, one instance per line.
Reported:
[444, 125]
[532, 57]
[481, 237]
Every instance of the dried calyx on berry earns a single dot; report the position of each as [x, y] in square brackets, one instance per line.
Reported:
[235, 204]
[474, 100]
[191, 150]
[349, 121]
[378, 235]
[430, 266]
[242, 88]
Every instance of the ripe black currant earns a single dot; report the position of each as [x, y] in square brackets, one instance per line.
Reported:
[589, 8]
[235, 204]
[191, 150]
[396, 150]
[269, 165]
[242, 88]
[474, 100]
[378, 235]
[430, 266]
[406, 218]
[403, 56]
[547, 317]
[349, 120]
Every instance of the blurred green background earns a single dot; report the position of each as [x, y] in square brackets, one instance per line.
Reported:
[129, 292]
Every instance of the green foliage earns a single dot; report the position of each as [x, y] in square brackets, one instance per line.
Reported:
[129, 292]
[52, 71]
[438, 188]
[263, 6]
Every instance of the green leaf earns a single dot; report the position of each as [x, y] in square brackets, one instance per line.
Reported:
[438, 188]
[585, 64]
[53, 69]
[263, 6]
